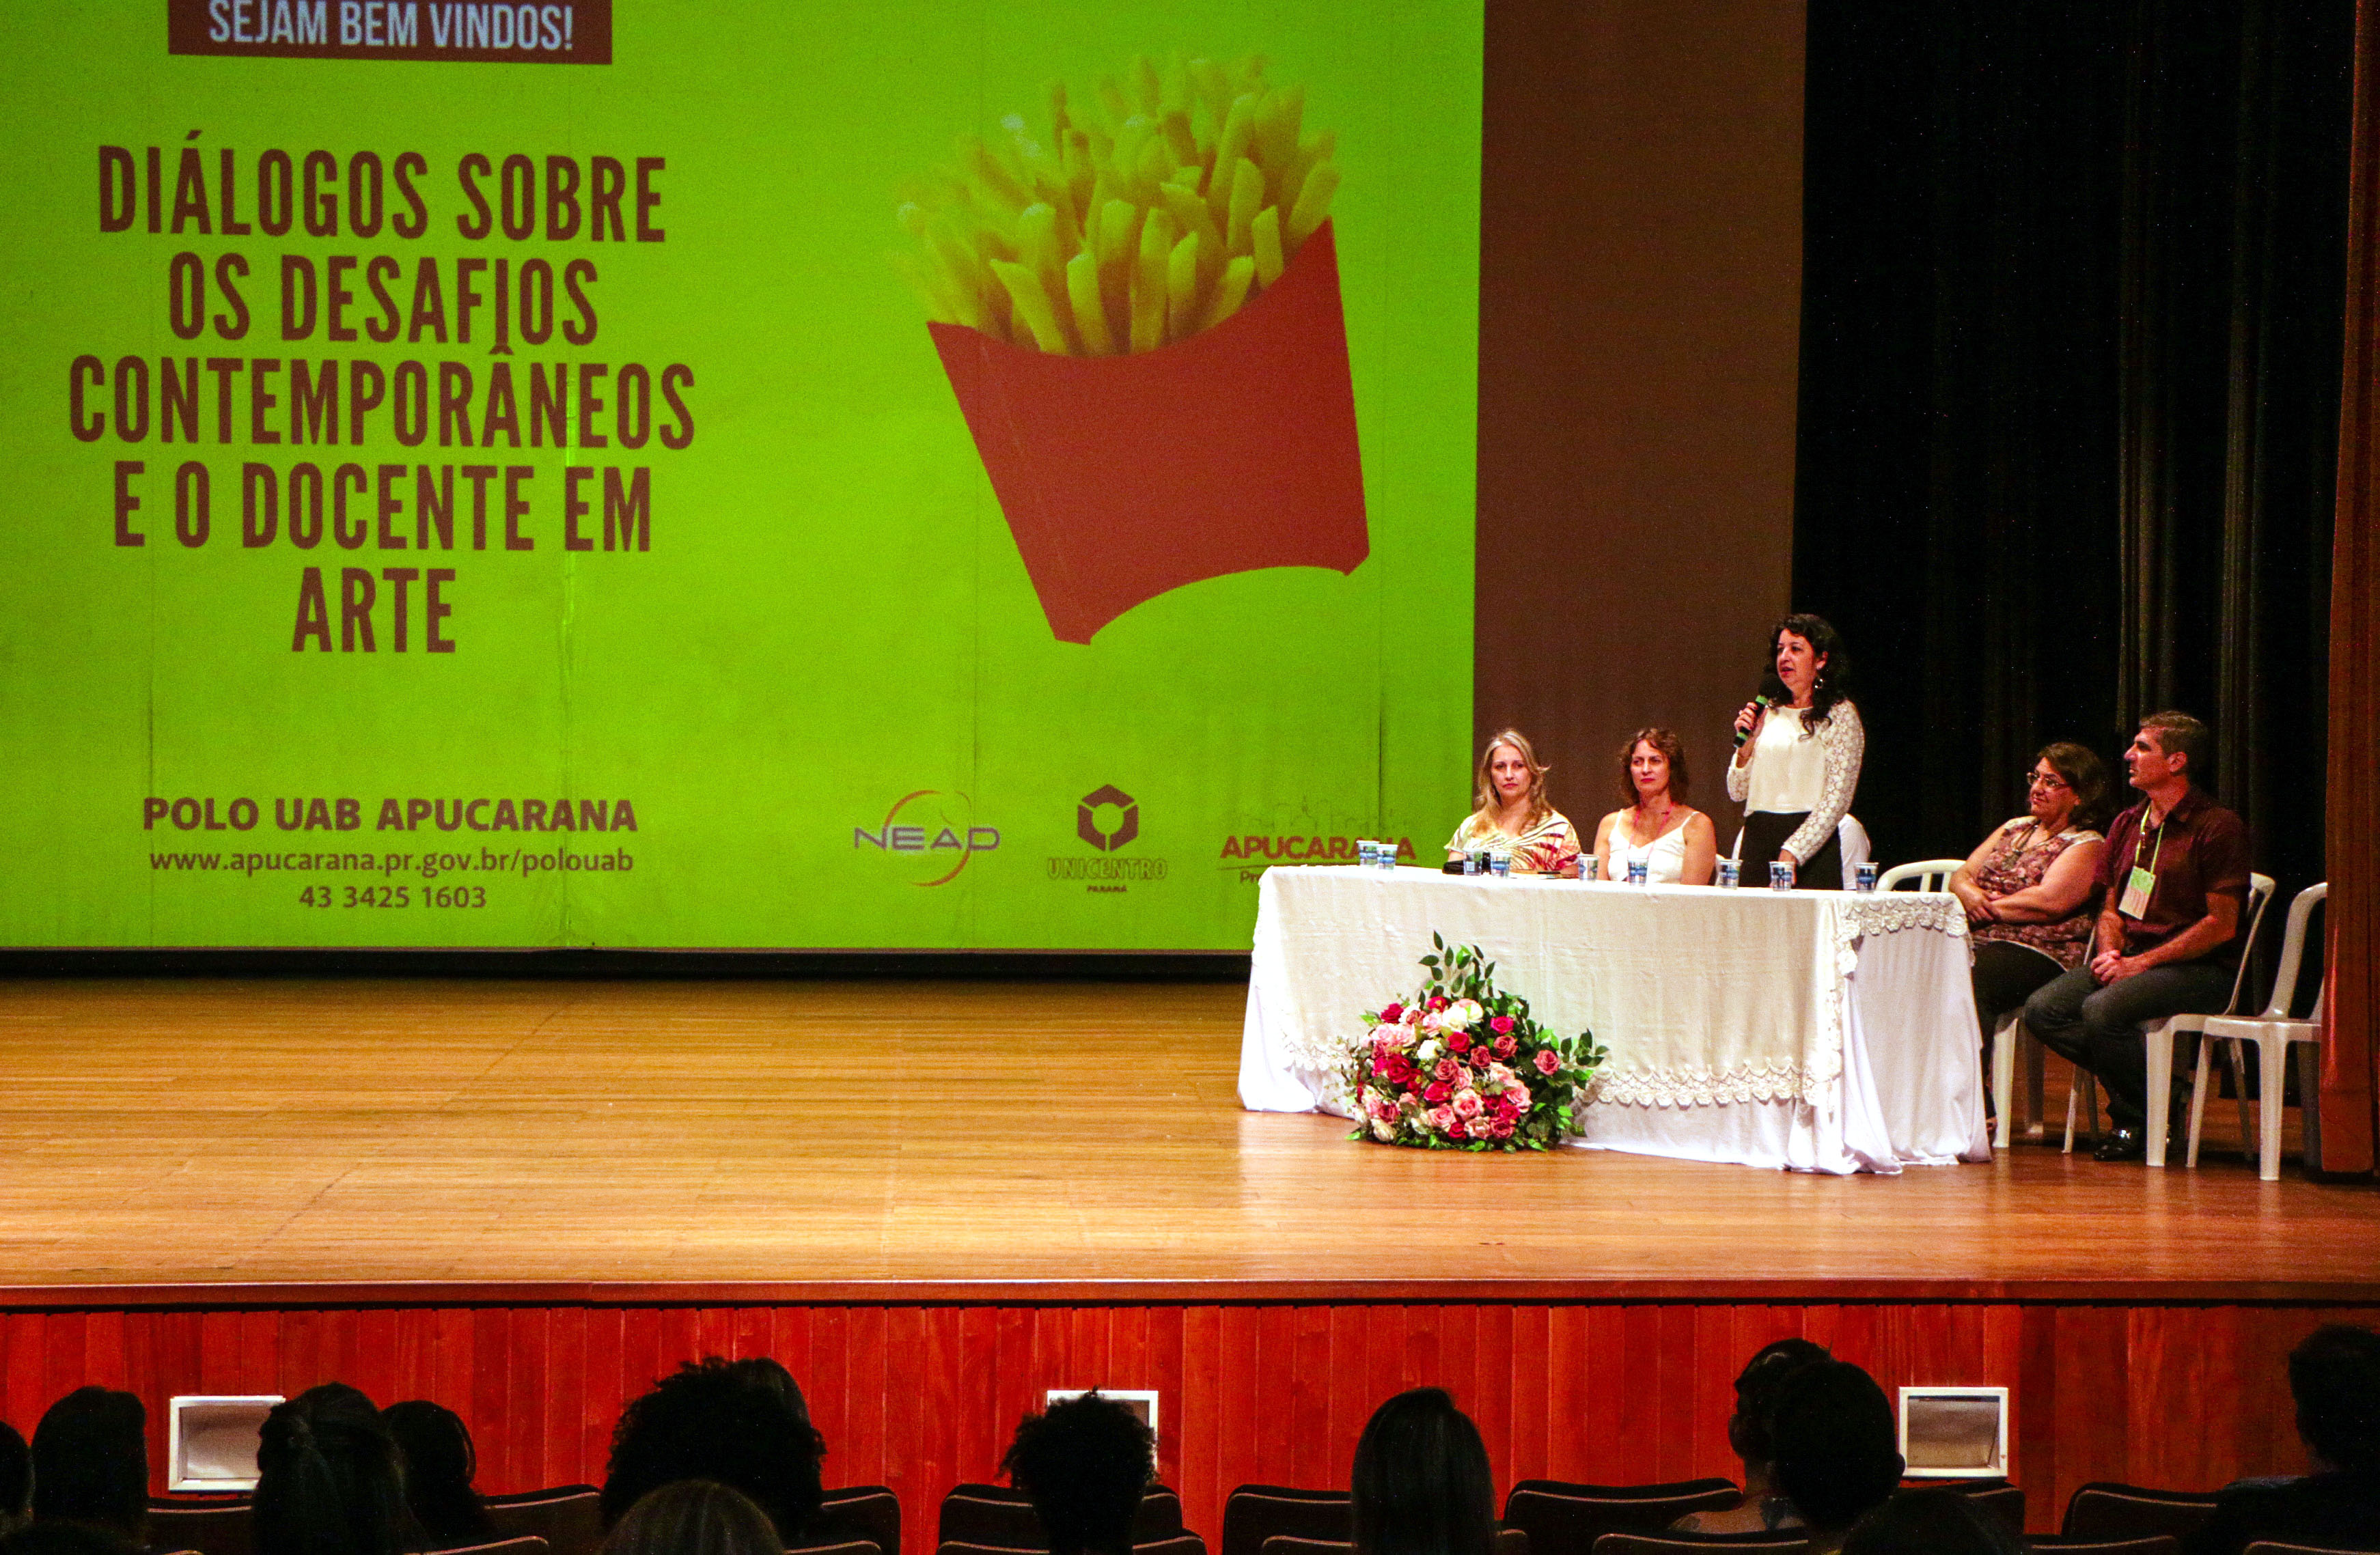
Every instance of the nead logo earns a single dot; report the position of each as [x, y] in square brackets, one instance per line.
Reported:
[940, 832]
[472, 31]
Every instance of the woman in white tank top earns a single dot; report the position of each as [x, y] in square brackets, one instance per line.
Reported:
[1675, 841]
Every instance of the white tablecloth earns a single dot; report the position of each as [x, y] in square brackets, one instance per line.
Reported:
[1823, 1030]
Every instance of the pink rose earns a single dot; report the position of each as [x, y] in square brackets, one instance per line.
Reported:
[1548, 1061]
[1479, 1058]
[1393, 1014]
[1507, 1045]
[1442, 1119]
[1500, 1025]
[1512, 1103]
[1501, 1129]
[1447, 1069]
[1467, 1103]
[1383, 1109]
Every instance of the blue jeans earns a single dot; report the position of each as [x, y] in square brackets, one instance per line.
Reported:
[2098, 1027]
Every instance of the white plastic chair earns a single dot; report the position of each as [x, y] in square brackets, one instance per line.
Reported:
[2011, 1041]
[1931, 875]
[2272, 1033]
[2165, 1034]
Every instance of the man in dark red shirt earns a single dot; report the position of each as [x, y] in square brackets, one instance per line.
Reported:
[2173, 881]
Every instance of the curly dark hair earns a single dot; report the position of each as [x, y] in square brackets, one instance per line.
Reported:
[695, 1517]
[1422, 1485]
[2083, 772]
[15, 1479]
[1084, 1462]
[1939, 1522]
[742, 1423]
[90, 1462]
[439, 1464]
[1834, 676]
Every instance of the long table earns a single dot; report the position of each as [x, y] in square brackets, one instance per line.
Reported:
[1820, 1031]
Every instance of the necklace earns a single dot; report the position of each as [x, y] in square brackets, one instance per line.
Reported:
[1638, 815]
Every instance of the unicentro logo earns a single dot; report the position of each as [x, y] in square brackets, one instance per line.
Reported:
[1110, 832]
[940, 833]
[1106, 819]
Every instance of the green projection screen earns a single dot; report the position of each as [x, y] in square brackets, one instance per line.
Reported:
[950, 474]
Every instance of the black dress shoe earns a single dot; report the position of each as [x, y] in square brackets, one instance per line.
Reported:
[2121, 1144]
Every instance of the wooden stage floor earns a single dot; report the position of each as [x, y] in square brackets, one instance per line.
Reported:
[1087, 1136]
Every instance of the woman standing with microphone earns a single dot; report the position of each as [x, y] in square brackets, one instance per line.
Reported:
[1797, 761]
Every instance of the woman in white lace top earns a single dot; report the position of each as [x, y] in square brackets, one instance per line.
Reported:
[1800, 762]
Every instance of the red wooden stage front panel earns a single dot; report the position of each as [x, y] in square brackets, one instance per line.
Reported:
[921, 1397]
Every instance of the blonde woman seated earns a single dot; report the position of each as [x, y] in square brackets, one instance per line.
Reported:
[1676, 842]
[1514, 815]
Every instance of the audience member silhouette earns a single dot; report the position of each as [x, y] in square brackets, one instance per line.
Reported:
[1747, 1437]
[90, 1462]
[61, 1538]
[1084, 1463]
[694, 1517]
[2335, 1378]
[330, 1480]
[439, 1464]
[1836, 1449]
[1936, 1521]
[16, 1480]
[741, 1423]
[1421, 1484]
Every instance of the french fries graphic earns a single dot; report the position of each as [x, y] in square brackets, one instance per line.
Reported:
[1077, 285]
[1153, 218]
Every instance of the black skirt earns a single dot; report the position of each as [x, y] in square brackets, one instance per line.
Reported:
[1764, 832]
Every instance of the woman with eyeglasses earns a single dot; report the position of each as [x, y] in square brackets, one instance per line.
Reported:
[2027, 886]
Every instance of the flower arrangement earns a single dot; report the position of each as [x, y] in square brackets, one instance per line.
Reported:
[1462, 1066]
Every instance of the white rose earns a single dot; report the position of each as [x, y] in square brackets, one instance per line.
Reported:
[1427, 1052]
[1382, 1132]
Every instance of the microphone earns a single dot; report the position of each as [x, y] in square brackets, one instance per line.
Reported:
[1763, 700]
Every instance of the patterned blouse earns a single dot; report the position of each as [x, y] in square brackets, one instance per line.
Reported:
[1547, 848]
[2016, 866]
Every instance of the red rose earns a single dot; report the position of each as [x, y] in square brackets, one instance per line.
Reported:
[1400, 1070]
[1515, 1102]
[1506, 1046]
[1460, 1041]
[1548, 1061]
[1392, 1015]
[1437, 1091]
[1381, 1064]
[1455, 1130]
[1500, 1025]
[1438, 1001]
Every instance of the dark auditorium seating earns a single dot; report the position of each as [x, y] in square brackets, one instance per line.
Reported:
[868, 1512]
[218, 1527]
[2104, 1511]
[849, 1547]
[1180, 1544]
[2156, 1543]
[1001, 1518]
[2280, 1546]
[1254, 1513]
[2002, 1502]
[1566, 1519]
[1784, 1542]
[527, 1545]
[1509, 1541]
[566, 1517]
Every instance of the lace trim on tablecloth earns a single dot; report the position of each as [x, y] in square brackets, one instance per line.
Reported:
[1856, 916]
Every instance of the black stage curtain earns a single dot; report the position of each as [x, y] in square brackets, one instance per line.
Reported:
[2070, 391]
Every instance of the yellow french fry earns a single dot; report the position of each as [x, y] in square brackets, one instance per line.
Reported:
[1039, 248]
[1146, 88]
[1214, 92]
[1090, 315]
[987, 171]
[1279, 117]
[1112, 103]
[1191, 212]
[1247, 199]
[1310, 154]
[1148, 282]
[1238, 126]
[1265, 234]
[1313, 203]
[1181, 289]
[1231, 291]
[1033, 306]
[1183, 144]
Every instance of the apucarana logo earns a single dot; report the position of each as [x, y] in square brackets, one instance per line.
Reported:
[1107, 819]
[933, 828]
